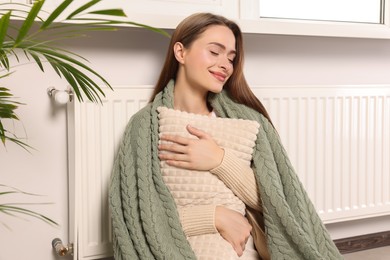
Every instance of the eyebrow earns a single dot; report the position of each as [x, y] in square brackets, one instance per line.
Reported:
[222, 46]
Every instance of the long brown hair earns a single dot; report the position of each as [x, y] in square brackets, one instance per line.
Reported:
[187, 32]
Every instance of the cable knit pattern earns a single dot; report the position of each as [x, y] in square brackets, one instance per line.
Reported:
[194, 188]
[145, 220]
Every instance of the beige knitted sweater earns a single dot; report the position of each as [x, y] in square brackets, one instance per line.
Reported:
[197, 193]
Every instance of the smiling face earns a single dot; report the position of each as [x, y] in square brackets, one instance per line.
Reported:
[207, 63]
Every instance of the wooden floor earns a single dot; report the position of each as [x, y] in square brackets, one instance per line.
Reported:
[380, 253]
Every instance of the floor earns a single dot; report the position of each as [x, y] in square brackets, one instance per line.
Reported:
[380, 253]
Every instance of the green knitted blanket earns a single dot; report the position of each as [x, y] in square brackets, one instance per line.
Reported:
[146, 223]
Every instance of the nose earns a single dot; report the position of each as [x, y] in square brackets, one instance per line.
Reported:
[225, 64]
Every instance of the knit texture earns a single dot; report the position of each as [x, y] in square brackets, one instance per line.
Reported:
[194, 188]
[145, 220]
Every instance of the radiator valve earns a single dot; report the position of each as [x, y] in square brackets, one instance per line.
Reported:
[60, 248]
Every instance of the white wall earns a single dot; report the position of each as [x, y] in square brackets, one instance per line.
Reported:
[134, 56]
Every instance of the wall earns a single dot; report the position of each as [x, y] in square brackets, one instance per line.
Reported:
[134, 56]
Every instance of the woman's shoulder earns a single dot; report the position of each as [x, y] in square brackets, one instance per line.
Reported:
[137, 120]
[141, 114]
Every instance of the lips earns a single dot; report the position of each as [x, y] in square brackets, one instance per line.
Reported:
[219, 76]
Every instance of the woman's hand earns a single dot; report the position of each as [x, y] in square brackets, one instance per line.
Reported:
[233, 227]
[200, 154]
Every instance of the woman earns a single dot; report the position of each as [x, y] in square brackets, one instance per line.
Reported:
[198, 193]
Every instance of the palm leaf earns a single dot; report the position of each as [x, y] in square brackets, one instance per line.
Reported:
[54, 66]
[7, 105]
[4, 23]
[69, 77]
[112, 12]
[82, 8]
[76, 79]
[61, 59]
[4, 59]
[59, 10]
[7, 192]
[69, 59]
[16, 190]
[116, 22]
[37, 60]
[7, 111]
[9, 208]
[5, 75]
[72, 31]
[38, 46]
[2, 133]
[14, 139]
[19, 13]
[32, 48]
[66, 65]
[12, 208]
[30, 19]
[85, 84]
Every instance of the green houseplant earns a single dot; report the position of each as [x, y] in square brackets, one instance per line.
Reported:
[28, 31]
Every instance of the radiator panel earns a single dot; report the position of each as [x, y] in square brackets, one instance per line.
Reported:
[337, 138]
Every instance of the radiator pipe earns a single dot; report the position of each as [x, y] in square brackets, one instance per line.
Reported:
[60, 248]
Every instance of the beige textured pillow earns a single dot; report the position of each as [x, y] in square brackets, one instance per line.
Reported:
[202, 188]
[239, 135]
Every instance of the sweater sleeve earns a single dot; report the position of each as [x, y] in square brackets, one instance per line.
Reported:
[240, 178]
[198, 220]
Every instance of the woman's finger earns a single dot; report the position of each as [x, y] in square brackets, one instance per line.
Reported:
[175, 139]
[197, 132]
[180, 164]
[173, 147]
[176, 157]
[239, 250]
[243, 246]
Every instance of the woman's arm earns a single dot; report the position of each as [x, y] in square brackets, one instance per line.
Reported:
[210, 219]
[204, 154]
[198, 220]
[239, 178]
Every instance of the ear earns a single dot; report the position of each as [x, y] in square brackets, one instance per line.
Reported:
[179, 51]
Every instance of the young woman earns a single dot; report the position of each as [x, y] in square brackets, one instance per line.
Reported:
[201, 172]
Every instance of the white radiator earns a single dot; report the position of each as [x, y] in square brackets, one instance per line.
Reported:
[337, 137]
